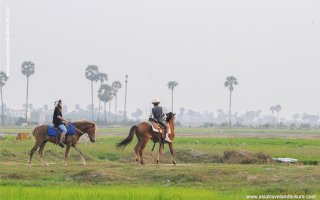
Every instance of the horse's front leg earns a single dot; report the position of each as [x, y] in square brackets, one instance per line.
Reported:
[172, 155]
[66, 153]
[159, 152]
[81, 155]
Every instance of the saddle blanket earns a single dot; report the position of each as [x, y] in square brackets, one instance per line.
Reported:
[156, 129]
[52, 131]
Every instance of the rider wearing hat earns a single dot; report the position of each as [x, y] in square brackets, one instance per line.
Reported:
[158, 115]
[59, 121]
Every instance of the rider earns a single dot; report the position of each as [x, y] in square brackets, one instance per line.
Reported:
[59, 121]
[158, 115]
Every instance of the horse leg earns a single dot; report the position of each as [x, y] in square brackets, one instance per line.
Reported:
[66, 153]
[136, 150]
[36, 146]
[159, 153]
[41, 153]
[81, 155]
[142, 146]
[172, 155]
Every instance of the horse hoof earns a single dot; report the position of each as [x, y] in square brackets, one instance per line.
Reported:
[29, 164]
[174, 162]
[142, 163]
[65, 164]
[157, 162]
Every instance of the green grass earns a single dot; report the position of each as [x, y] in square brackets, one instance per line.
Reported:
[112, 174]
[112, 193]
[199, 130]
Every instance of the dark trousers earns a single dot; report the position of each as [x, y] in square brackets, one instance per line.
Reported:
[163, 125]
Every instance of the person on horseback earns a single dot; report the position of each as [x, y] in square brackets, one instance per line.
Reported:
[157, 114]
[59, 121]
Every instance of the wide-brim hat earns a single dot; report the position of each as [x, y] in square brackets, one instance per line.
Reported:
[156, 101]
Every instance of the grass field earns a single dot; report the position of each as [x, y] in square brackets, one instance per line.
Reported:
[202, 172]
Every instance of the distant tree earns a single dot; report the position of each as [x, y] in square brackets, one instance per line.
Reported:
[277, 109]
[65, 108]
[105, 95]
[77, 108]
[181, 112]
[92, 75]
[27, 69]
[171, 86]
[137, 114]
[116, 85]
[45, 107]
[3, 79]
[103, 77]
[230, 82]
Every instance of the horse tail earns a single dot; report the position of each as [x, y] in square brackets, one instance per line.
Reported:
[125, 142]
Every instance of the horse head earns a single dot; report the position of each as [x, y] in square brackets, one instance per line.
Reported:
[170, 116]
[89, 128]
[91, 131]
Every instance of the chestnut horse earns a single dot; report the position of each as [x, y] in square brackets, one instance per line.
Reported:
[144, 133]
[41, 137]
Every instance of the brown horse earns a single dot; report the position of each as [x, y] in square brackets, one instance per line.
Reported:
[144, 133]
[41, 137]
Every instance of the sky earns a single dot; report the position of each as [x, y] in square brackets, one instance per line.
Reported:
[272, 47]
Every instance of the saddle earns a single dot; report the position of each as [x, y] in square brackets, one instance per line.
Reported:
[157, 127]
[54, 131]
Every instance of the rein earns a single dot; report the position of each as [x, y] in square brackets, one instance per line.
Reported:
[70, 124]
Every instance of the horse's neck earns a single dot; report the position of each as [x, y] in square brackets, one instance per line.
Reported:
[171, 124]
[78, 133]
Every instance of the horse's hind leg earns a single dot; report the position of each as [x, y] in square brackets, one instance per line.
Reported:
[41, 153]
[36, 146]
[142, 146]
[136, 150]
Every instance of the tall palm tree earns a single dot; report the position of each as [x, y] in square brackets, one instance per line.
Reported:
[230, 82]
[277, 109]
[105, 95]
[116, 85]
[3, 79]
[171, 86]
[27, 69]
[92, 74]
[273, 109]
[102, 77]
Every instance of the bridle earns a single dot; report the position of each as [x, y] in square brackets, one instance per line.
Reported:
[86, 133]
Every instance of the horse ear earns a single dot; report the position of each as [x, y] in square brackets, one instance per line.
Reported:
[174, 113]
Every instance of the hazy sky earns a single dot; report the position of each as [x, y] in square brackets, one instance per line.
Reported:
[272, 47]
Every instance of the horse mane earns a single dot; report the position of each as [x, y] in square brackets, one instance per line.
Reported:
[169, 116]
[84, 122]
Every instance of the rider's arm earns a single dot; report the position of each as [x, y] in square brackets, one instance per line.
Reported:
[60, 117]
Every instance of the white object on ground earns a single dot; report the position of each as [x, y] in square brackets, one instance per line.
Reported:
[287, 160]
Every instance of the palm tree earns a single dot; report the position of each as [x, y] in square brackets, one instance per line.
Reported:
[230, 82]
[273, 109]
[3, 80]
[105, 95]
[277, 109]
[27, 69]
[92, 74]
[116, 85]
[102, 77]
[171, 86]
